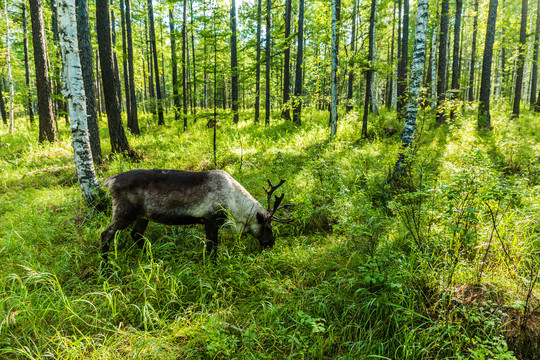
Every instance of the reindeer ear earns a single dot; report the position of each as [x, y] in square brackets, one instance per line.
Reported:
[260, 218]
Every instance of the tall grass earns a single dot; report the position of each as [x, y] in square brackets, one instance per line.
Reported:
[437, 269]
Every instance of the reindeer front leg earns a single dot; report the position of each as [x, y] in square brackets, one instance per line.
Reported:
[211, 228]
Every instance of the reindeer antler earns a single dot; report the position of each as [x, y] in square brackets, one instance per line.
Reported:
[271, 191]
[277, 202]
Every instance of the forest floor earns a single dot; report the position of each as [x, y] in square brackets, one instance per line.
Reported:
[445, 265]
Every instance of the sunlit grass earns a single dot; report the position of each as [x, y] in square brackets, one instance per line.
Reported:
[366, 269]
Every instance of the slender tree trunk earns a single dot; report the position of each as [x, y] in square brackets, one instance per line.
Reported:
[194, 64]
[268, 47]
[286, 112]
[333, 77]
[534, 75]
[369, 72]
[403, 61]
[159, 98]
[115, 57]
[87, 65]
[184, 70]
[133, 121]
[29, 105]
[258, 71]
[351, 62]
[417, 69]
[119, 142]
[298, 84]
[47, 123]
[443, 60]
[8, 65]
[234, 64]
[390, 91]
[3, 107]
[456, 54]
[473, 53]
[124, 59]
[521, 58]
[433, 65]
[98, 86]
[484, 119]
[174, 64]
[74, 92]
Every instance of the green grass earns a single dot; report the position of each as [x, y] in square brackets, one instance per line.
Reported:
[366, 270]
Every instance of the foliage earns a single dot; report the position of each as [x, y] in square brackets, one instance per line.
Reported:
[432, 270]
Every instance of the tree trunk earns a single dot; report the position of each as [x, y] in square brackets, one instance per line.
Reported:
[369, 72]
[456, 55]
[403, 61]
[193, 56]
[443, 60]
[8, 66]
[333, 77]
[521, 58]
[115, 57]
[174, 65]
[161, 119]
[234, 64]
[87, 66]
[29, 104]
[535, 61]
[184, 70]
[298, 84]
[286, 112]
[124, 58]
[473, 53]
[47, 123]
[268, 44]
[433, 65]
[3, 107]
[133, 121]
[390, 90]
[98, 86]
[351, 62]
[417, 69]
[119, 142]
[484, 119]
[74, 92]
[258, 71]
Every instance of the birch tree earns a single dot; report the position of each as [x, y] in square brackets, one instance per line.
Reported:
[74, 92]
[10, 77]
[417, 70]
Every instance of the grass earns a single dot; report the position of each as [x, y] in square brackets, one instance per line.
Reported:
[444, 267]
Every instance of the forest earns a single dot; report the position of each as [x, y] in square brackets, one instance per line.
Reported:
[403, 135]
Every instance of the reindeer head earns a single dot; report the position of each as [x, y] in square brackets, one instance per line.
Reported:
[266, 235]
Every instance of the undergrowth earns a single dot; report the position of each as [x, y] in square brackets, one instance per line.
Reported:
[443, 266]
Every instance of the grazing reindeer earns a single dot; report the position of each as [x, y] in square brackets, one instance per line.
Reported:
[181, 197]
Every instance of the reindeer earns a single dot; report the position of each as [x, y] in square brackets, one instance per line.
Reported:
[175, 197]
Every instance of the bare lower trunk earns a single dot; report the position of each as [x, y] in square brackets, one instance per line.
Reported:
[74, 93]
[417, 69]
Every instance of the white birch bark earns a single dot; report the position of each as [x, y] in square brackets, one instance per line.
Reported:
[74, 93]
[417, 70]
[10, 77]
[433, 100]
